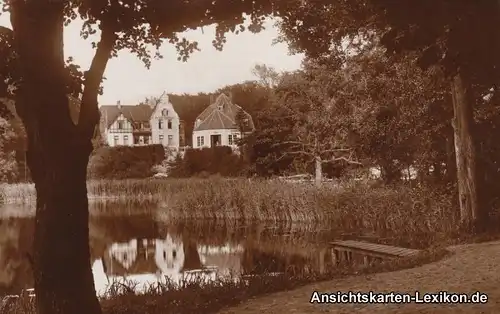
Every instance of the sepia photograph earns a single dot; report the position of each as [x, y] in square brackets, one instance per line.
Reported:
[249, 156]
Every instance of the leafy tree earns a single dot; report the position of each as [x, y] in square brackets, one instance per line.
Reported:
[267, 75]
[8, 164]
[458, 36]
[318, 115]
[403, 125]
[58, 149]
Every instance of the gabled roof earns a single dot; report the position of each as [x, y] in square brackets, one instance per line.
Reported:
[138, 113]
[220, 115]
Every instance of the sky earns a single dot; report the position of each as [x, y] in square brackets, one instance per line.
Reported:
[128, 81]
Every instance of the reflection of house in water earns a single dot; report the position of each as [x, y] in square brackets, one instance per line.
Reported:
[162, 257]
[226, 258]
[150, 261]
[141, 261]
[169, 256]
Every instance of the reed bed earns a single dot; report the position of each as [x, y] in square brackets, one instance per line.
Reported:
[408, 212]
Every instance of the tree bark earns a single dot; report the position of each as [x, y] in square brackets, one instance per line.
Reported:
[63, 277]
[57, 155]
[465, 152]
[318, 168]
[451, 160]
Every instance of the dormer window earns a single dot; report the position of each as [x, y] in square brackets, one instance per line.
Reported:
[164, 112]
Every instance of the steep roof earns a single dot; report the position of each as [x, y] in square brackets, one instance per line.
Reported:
[138, 113]
[220, 115]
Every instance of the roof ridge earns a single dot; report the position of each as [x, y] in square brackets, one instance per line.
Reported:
[233, 121]
[204, 120]
[219, 115]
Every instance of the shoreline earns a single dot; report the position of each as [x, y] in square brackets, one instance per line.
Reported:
[470, 268]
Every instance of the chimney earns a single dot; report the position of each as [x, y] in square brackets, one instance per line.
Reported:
[164, 98]
[118, 104]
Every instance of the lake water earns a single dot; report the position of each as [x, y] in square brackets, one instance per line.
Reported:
[144, 250]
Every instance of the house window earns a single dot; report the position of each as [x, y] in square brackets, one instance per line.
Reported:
[141, 126]
[161, 139]
[160, 124]
[116, 140]
[141, 140]
[230, 138]
[164, 112]
[169, 124]
[170, 139]
[200, 140]
[120, 125]
[235, 138]
[125, 140]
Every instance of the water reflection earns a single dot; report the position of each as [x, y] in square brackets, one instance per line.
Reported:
[146, 261]
[143, 250]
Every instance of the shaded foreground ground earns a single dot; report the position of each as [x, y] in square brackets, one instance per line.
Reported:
[473, 267]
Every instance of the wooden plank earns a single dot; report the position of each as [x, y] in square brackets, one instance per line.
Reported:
[377, 248]
[352, 245]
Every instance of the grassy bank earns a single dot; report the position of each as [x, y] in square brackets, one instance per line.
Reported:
[201, 297]
[382, 210]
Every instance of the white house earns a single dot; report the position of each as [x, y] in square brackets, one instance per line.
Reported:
[221, 124]
[165, 124]
[144, 124]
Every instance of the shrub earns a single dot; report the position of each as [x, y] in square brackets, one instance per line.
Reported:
[124, 162]
[208, 161]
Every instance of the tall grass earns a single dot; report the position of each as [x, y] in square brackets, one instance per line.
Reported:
[402, 210]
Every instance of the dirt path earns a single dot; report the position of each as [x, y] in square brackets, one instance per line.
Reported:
[474, 267]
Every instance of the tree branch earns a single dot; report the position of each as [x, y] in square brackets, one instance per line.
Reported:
[336, 150]
[349, 161]
[89, 111]
[294, 153]
[291, 143]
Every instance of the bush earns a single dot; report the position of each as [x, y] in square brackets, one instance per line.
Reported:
[209, 161]
[124, 162]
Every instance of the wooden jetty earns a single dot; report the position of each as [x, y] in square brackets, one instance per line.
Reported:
[343, 251]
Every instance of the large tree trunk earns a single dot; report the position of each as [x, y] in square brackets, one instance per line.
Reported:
[63, 276]
[465, 152]
[57, 155]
